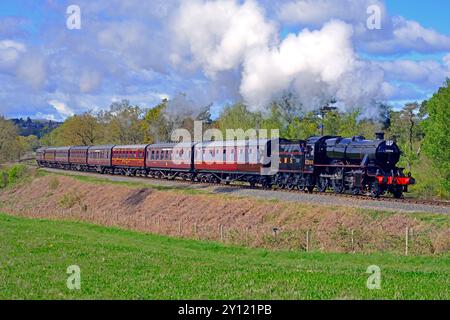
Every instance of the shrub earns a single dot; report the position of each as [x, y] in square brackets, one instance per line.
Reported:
[12, 175]
[16, 173]
[53, 184]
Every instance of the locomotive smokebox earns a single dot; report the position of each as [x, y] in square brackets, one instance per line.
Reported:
[379, 135]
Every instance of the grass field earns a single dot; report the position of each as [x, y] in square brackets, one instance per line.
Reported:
[118, 264]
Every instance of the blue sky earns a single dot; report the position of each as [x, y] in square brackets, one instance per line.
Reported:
[431, 14]
[199, 52]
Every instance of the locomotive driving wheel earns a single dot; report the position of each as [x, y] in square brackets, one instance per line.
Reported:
[322, 184]
[375, 190]
[338, 184]
[397, 192]
[290, 185]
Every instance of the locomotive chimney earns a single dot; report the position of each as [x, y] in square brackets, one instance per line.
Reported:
[379, 135]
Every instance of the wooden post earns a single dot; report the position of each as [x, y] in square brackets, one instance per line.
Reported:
[307, 240]
[353, 241]
[406, 240]
[221, 232]
[247, 238]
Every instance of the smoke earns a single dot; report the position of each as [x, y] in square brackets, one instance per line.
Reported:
[219, 34]
[316, 66]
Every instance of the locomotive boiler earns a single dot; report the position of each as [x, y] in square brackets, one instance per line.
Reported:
[359, 165]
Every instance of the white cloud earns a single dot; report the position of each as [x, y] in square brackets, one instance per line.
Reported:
[426, 73]
[318, 12]
[446, 60]
[317, 65]
[408, 36]
[61, 108]
[219, 34]
[10, 52]
[89, 81]
[31, 70]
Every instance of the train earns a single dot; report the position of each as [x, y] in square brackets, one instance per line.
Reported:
[353, 165]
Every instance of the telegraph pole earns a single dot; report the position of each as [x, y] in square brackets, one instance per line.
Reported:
[323, 112]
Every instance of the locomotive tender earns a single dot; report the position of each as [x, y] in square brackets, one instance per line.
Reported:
[324, 163]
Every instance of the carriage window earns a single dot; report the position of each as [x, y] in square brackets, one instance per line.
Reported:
[153, 155]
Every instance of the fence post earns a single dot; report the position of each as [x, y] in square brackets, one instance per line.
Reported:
[247, 232]
[307, 240]
[353, 241]
[406, 240]
[221, 232]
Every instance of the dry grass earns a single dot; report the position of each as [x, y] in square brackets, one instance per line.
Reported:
[242, 221]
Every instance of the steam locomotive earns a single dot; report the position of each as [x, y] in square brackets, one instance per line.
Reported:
[353, 165]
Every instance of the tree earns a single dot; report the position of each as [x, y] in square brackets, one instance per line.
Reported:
[8, 140]
[303, 128]
[123, 123]
[409, 117]
[155, 126]
[437, 132]
[237, 116]
[78, 130]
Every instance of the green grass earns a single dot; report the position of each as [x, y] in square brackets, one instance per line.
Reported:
[118, 264]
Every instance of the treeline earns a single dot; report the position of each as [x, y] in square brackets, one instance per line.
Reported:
[421, 130]
[30, 127]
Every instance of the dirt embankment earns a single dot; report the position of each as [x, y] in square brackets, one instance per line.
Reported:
[242, 221]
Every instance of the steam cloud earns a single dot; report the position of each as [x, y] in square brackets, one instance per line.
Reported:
[317, 66]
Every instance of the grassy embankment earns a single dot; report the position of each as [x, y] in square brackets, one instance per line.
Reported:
[34, 256]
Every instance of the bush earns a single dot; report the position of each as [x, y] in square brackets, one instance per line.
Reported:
[12, 175]
[53, 184]
[16, 173]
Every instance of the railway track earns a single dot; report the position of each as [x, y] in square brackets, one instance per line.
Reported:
[365, 198]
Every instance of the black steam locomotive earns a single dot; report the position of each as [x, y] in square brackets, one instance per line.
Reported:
[324, 163]
[356, 165]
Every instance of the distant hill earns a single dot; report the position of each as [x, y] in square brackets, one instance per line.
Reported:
[35, 127]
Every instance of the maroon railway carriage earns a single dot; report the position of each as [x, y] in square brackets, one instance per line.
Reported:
[78, 158]
[40, 156]
[62, 157]
[49, 156]
[100, 158]
[241, 160]
[170, 160]
[129, 160]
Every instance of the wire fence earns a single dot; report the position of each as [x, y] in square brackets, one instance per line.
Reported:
[350, 240]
